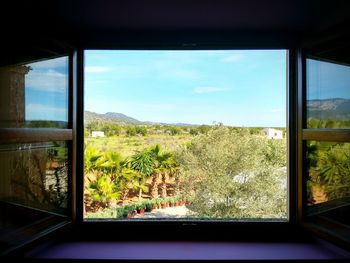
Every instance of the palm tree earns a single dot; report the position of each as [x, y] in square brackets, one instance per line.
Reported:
[122, 173]
[110, 163]
[104, 191]
[143, 163]
[334, 167]
[128, 179]
[91, 155]
[174, 171]
[167, 164]
[156, 155]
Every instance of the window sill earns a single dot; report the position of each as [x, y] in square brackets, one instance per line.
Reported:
[84, 250]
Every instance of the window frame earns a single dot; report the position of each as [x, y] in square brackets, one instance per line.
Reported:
[37, 135]
[292, 68]
[327, 230]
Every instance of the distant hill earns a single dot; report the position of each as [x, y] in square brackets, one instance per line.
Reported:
[123, 119]
[335, 109]
[114, 117]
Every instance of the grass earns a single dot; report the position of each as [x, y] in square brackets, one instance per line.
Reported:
[127, 146]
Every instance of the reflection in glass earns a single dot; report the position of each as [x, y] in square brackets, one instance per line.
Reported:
[328, 183]
[35, 175]
[35, 94]
[328, 95]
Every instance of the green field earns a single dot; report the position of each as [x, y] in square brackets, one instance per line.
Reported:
[219, 171]
[128, 145]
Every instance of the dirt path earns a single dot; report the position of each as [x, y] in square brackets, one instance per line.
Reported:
[169, 212]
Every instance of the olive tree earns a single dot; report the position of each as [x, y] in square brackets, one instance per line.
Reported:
[234, 174]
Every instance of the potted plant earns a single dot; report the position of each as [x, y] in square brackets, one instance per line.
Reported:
[172, 201]
[177, 201]
[164, 203]
[148, 206]
[140, 207]
[159, 202]
[127, 212]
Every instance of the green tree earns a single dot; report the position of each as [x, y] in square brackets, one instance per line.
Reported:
[334, 171]
[110, 163]
[143, 163]
[203, 129]
[166, 166]
[173, 130]
[111, 129]
[158, 168]
[104, 191]
[141, 130]
[129, 179]
[91, 156]
[226, 174]
[130, 130]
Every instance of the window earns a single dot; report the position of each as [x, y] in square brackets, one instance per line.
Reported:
[185, 135]
[34, 150]
[327, 144]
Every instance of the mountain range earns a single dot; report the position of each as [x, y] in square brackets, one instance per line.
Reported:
[336, 109]
[123, 119]
[114, 117]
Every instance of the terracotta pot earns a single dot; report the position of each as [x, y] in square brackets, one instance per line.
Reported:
[142, 211]
[129, 215]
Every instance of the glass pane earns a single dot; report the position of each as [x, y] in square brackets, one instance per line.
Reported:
[328, 182]
[35, 94]
[185, 134]
[33, 190]
[35, 175]
[328, 95]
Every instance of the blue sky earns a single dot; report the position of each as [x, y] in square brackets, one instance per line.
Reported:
[46, 90]
[327, 80]
[239, 88]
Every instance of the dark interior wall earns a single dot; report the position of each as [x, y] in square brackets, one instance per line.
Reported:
[39, 28]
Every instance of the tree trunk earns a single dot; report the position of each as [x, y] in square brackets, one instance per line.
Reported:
[164, 186]
[140, 194]
[124, 195]
[154, 186]
[177, 185]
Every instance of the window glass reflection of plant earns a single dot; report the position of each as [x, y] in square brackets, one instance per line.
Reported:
[329, 171]
[39, 175]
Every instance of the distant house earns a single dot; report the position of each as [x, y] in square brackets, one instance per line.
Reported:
[96, 134]
[272, 133]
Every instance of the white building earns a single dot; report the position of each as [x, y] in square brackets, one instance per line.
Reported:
[96, 134]
[272, 133]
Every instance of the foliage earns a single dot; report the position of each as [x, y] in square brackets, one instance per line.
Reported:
[224, 172]
[329, 167]
[224, 176]
[103, 190]
[141, 130]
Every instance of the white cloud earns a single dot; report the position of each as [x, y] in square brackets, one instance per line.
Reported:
[44, 112]
[201, 90]
[47, 80]
[42, 108]
[233, 58]
[54, 63]
[97, 69]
